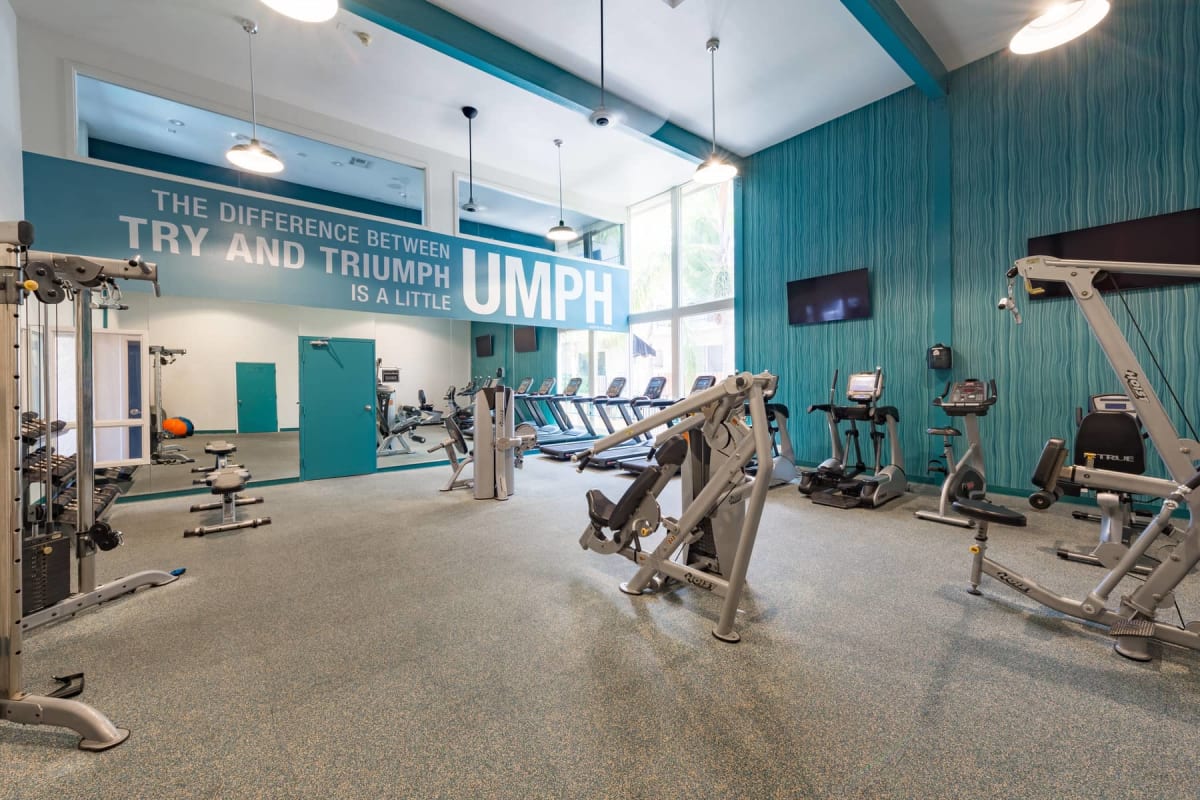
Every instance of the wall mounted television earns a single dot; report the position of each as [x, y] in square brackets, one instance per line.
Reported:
[1165, 239]
[830, 298]
[525, 339]
[484, 346]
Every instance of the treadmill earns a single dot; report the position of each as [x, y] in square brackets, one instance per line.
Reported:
[568, 432]
[536, 416]
[641, 446]
[564, 450]
[520, 401]
[639, 465]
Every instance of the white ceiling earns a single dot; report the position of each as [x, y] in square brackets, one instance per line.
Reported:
[784, 67]
[395, 86]
[136, 119]
[962, 31]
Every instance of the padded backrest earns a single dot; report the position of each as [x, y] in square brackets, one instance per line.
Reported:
[1050, 464]
[633, 497]
[421, 397]
[672, 452]
[1114, 441]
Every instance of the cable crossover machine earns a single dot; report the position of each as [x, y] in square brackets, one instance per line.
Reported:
[69, 502]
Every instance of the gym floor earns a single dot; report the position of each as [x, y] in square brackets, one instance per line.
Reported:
[382, 639]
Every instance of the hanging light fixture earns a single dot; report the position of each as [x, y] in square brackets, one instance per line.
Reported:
[470, 112]
[304, 10]
[562, 232]
[1058, 25]
[252, 156]
[714, 169]
[602, 117]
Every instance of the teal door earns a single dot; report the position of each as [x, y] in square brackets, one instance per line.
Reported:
[337, 407]
[257, 403]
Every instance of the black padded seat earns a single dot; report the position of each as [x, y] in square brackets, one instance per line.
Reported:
[883, 412]
[220, 448]
[228, 482]
[943, 431]
[672, 453]
[985, 511]
[607, 514]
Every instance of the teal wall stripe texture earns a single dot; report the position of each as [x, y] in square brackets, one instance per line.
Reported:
[1099, 131]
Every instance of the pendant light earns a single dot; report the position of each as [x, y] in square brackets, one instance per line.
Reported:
[252, 156]
[602, 117]
[1058, 25]
[562, 232]
[470, 112]
[714, 169]
[304, 10]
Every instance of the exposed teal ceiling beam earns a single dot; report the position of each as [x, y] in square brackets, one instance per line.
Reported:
[895, 33]
[440, 30]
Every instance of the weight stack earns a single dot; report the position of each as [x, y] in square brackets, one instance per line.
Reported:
[46, 577]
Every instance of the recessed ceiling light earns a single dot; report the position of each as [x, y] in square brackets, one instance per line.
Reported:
[1058, 25]
[336, 163]
[172, 130]
[302, 155]
[176, 123]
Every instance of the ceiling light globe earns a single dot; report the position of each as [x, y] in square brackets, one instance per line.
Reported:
[1058, 25]
[253, 157]
[714, 170]
[305, 10]
[562, 232]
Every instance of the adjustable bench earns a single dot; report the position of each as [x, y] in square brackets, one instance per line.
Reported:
[226, 482]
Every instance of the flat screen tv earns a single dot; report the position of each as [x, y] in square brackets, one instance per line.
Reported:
[483, 346]
[829, 298]
[525, 339]
[1165, 239]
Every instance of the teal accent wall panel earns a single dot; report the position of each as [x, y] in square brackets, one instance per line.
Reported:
[539, 365]
[1102, 130]
[856, 192]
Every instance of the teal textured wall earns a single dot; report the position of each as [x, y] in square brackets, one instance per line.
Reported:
[1102, 130]
[853, 193]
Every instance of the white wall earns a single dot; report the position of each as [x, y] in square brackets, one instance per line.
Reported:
[47, 104]
[12, 198]
[201, 385]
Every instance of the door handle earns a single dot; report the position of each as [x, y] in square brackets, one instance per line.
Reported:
[366, 408]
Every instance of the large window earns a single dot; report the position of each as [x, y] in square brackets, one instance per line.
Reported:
[681, 246]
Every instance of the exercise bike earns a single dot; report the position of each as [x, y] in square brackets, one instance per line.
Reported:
[965, 478]
[832, 483]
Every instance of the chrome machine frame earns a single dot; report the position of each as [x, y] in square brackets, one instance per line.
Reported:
[49, 278]
[728, 498]
[1133, 623]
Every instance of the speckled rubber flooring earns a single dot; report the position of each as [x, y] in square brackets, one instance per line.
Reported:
[382, 640]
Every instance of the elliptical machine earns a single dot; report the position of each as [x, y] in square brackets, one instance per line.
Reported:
[831, 483]
[965, 478]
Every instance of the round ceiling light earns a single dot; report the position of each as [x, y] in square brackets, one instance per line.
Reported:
[1058, 25]
[714, 170]
[253, 157]
[305, 10]
[562, 232]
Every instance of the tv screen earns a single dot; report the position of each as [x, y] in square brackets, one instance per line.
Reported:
[829, 298]
[1164, 239]
[483, 346]
[525, 339]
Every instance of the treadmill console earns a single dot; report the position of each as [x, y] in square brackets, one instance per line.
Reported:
[615, 388]
[864, 387]
[572, 387]
[703, 382]
[654, 388]
[547, 386]
[523, 386]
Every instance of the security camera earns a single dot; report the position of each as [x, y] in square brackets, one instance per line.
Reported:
[1003, 304]
[602, 117]
[471, 207]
